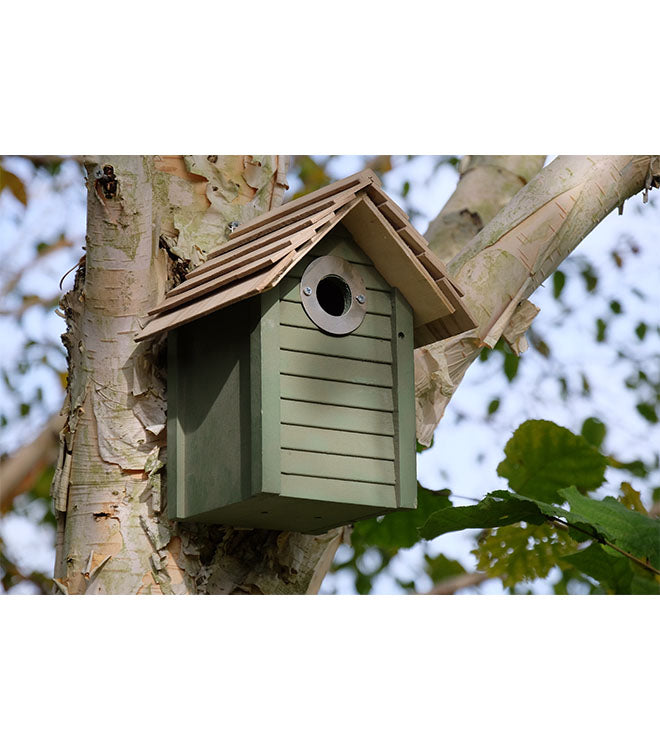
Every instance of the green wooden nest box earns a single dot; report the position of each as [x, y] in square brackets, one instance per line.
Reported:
[290, 364]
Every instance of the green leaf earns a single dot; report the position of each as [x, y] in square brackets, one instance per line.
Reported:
[493, 406]
[648, 412]
[516, 553]
[613, 571]
[641, 330]
[399, 530]
[615, 307]
[511, 364]
[590, 278]
[496, 509]
[558, 283]
[635, 533]
[439, 568]
[419, 448]
[601, 328]
[637, 468]
[542, 458]
[593, 431]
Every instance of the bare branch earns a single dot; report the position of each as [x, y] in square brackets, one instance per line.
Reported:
[31, 301]
[21, 469]
[11, 283]
[452, 585]
[49, 160]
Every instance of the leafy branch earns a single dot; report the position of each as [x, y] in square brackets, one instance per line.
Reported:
[549, 468]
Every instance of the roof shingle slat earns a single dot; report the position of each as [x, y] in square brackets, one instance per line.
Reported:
[270, 246]
[396, 262]
[311, 222]
[224, 297]
[240, 272]
[353, 183]
[279, 222]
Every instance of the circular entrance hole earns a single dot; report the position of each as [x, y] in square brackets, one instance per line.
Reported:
[334, 295]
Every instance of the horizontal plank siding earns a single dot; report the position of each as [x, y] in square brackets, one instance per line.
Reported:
[337, 403]
[317, 342]
[372, 279]
[300, 438]
[336, 490]
[374, 326]
[335, 368]
[377, 302]
[334, 392]
[337, 417]
[352, 468]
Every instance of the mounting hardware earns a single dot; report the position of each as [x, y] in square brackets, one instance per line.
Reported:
[333, 295]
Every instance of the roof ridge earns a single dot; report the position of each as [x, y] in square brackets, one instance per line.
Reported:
[358, 181]
[270, 245]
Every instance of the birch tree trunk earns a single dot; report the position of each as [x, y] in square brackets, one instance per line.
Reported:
[150, 219]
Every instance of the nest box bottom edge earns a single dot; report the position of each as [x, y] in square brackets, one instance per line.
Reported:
[280, 513]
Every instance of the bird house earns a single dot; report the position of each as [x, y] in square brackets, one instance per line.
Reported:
[290, 364]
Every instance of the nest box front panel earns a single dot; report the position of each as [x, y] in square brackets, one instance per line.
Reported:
[347, 412]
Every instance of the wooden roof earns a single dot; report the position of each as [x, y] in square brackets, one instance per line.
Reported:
[262, 251]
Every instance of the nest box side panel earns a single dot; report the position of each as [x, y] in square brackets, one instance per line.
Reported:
[210, 404]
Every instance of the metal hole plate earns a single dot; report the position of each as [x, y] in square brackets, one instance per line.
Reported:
[316, 271]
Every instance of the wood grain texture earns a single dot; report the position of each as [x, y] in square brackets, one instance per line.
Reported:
[337, 417]
[340, 442]
[373, 325]
[335, 368]
[378, 302]
[333, 466]
[347, 347]
[335, 490]
[404, 400]
[336, 393]
[396, 262]
[348, 186]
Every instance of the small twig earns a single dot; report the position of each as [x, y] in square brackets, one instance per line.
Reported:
[16, 276]
[31, 302]
[452, 585]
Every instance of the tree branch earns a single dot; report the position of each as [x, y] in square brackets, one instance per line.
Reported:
[11, 283]
[486, 185]
[514, 254]
[452, 585]
[20, 470]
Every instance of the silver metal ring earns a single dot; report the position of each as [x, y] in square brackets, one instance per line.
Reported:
[338, 300]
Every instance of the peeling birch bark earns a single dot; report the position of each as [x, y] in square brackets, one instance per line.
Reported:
[486, 185]
[149, 220]
[152, 218]
[501, 267]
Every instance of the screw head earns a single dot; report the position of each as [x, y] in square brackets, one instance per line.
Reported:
[361, 299]
[307, 290]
